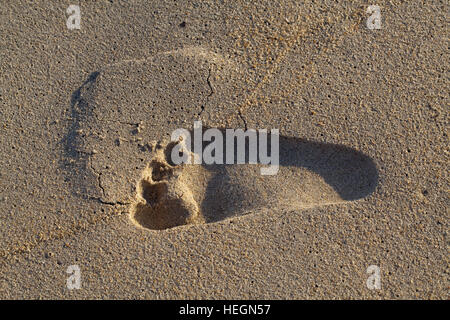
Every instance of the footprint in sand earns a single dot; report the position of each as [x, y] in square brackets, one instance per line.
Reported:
[117, 148]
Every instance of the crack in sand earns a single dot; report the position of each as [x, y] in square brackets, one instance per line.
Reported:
[241, 116]
[208, 81]
[115, 203]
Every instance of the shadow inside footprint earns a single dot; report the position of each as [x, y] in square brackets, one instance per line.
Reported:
[310, 174]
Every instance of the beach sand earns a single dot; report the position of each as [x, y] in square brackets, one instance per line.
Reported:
[87, 116]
